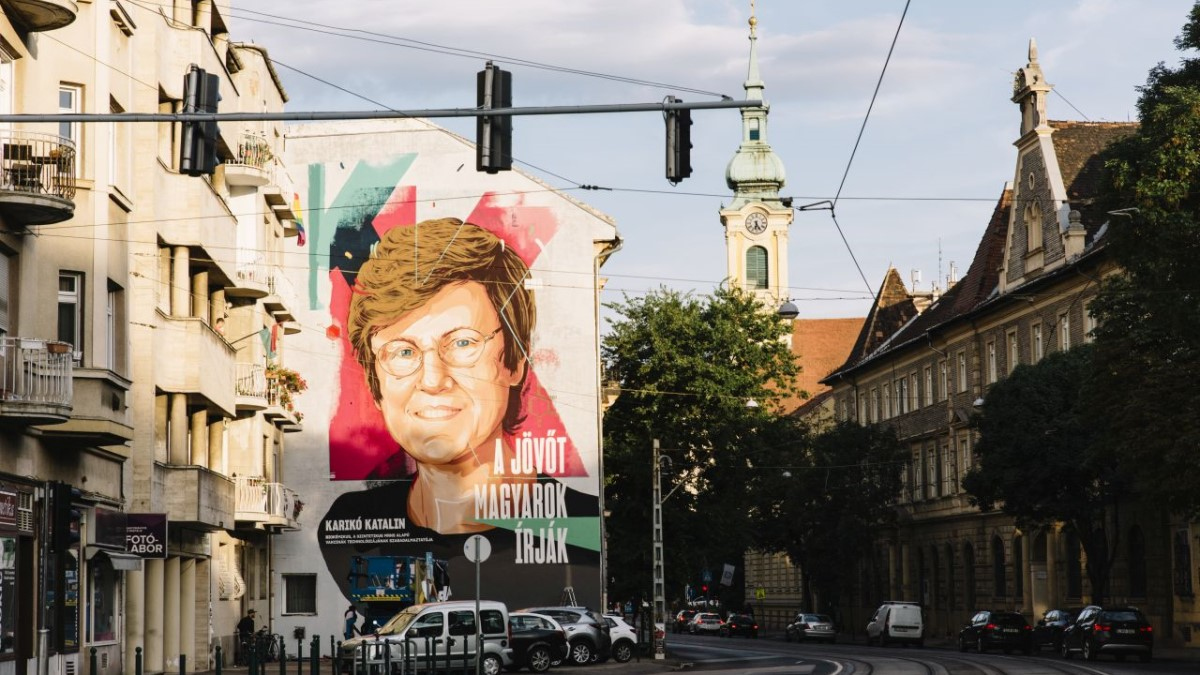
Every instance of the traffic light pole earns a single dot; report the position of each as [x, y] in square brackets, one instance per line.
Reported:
[661, 106]
[660, 599]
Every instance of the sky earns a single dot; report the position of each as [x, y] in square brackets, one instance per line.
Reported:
[934, 155]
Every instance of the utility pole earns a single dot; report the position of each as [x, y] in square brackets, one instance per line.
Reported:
[660, 599]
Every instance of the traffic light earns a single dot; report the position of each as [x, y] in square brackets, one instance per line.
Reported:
[66, 517]
[679, 142]
[198, 144]
[704, 589]
[493, 133]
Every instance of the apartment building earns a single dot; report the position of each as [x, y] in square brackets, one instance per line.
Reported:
[144, 317]
[924, 371]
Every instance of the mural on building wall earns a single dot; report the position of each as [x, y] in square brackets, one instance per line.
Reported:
[440, 421]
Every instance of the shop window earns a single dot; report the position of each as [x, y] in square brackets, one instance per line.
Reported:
[101, 618]
[299, 594]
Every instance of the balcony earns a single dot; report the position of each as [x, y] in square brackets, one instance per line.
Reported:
[208, 369]
[251, 163]
[281, 297]
[37, 178]
[266, 504]
[99, 415]
[281, 409]
[42, 15]
[194, 496]
[251, 386]
[36, 385]
[251, 280]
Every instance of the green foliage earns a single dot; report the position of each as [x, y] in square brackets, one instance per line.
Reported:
[1039, 459]
[686, 368]
[1148, 355]
[825, 503]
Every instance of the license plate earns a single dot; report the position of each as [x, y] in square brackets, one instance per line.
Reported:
[1011, 630]
[1125, 631]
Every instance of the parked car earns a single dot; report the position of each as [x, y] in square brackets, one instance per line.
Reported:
[682, 619]
[409, 636]
[537, 642]
[996, 630]
[624, 638]
[1119, 631]
[806, 626]
[587, 632]
[739, 624]
[897, 621]
[1048, 630]
[705, 622]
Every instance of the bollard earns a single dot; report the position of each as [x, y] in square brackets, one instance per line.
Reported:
[183, 664]
[94, 662]
[282, 657]
[299, 657]
[251, 656]
[137, 661]
[217, 667]
[314, 656]
[337, 656]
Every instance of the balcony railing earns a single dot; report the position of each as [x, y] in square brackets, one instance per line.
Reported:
[251, 162]
[259, 501]
[35, 372]
[252, 380]
[37, 164]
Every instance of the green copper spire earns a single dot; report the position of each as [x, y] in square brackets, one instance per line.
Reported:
[755, 173]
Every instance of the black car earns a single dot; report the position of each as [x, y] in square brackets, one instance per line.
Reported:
[1119, 631]
[739, 624]
[587, 632]
[996, 630]
[1048, 631]
[682, 619]
[537, 642]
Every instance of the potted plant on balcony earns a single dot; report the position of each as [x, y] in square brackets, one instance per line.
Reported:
[286, 383]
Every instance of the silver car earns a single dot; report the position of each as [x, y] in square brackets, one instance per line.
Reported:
[816, 627]
[705, 622]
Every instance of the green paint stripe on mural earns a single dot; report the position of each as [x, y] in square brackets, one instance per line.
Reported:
[583, 532]
[316, 255]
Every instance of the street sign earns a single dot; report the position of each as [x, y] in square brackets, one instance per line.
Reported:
[760, 593]
[707, 577]
[477, 548]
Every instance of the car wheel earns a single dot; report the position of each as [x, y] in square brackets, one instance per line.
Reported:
[979, 646]
[622, 652]
[1064, 650]
[1089, 651]
[962, 644]
[581, 653]
[539, 659]
[491, 665]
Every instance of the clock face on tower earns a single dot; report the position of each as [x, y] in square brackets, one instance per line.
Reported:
[756, 223]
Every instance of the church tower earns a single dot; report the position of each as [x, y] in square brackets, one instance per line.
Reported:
[756, 222]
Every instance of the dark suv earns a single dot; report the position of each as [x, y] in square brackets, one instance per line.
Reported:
[1119, 631]
[996, 630]
[1049, 629]
[587, 632]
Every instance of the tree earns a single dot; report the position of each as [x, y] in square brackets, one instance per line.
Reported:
[1147, 353]
[827, 501]
[1040, 461]
[687, 367]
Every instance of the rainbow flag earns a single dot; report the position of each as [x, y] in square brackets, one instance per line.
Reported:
[301, 235]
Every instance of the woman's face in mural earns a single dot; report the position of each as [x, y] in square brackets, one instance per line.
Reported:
[447, 389]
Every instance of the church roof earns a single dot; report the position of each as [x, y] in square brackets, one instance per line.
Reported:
[1078, 146]
[819, 346]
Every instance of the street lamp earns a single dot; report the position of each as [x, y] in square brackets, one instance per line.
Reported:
[660, 593]
[788, 310]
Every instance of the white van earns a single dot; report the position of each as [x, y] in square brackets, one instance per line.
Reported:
[897, 622]
[435, 636]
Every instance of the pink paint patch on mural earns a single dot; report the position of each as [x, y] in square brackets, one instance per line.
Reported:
[400, 209]
[358, 439]
[545, 357]
[525, 229]
[540, 419]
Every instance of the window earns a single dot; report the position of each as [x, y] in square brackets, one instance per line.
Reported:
[874, 405]
[69, 97]
[964, 453]
[756, 267]
[862, 409]
[962, 370]
[949, 471]
[914, 400]
[929, 384]
[1183, 564]
[999, 585]
[1064, 331]
[754, 131]
[1033, 227]
[887, 401]
[943, 380]
[114, 329]
[931, 477]
[299, 594]
[1035, 341]
[918, 473]
[901, 396]
[991, 362]
[8, 588]
[101, 618]
[1014, 351]
[70, 311]
[1089, 326]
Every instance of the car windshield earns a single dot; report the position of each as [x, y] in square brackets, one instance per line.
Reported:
[1123, 615]
[1008, 619]
[818, 618]
[398, 623]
